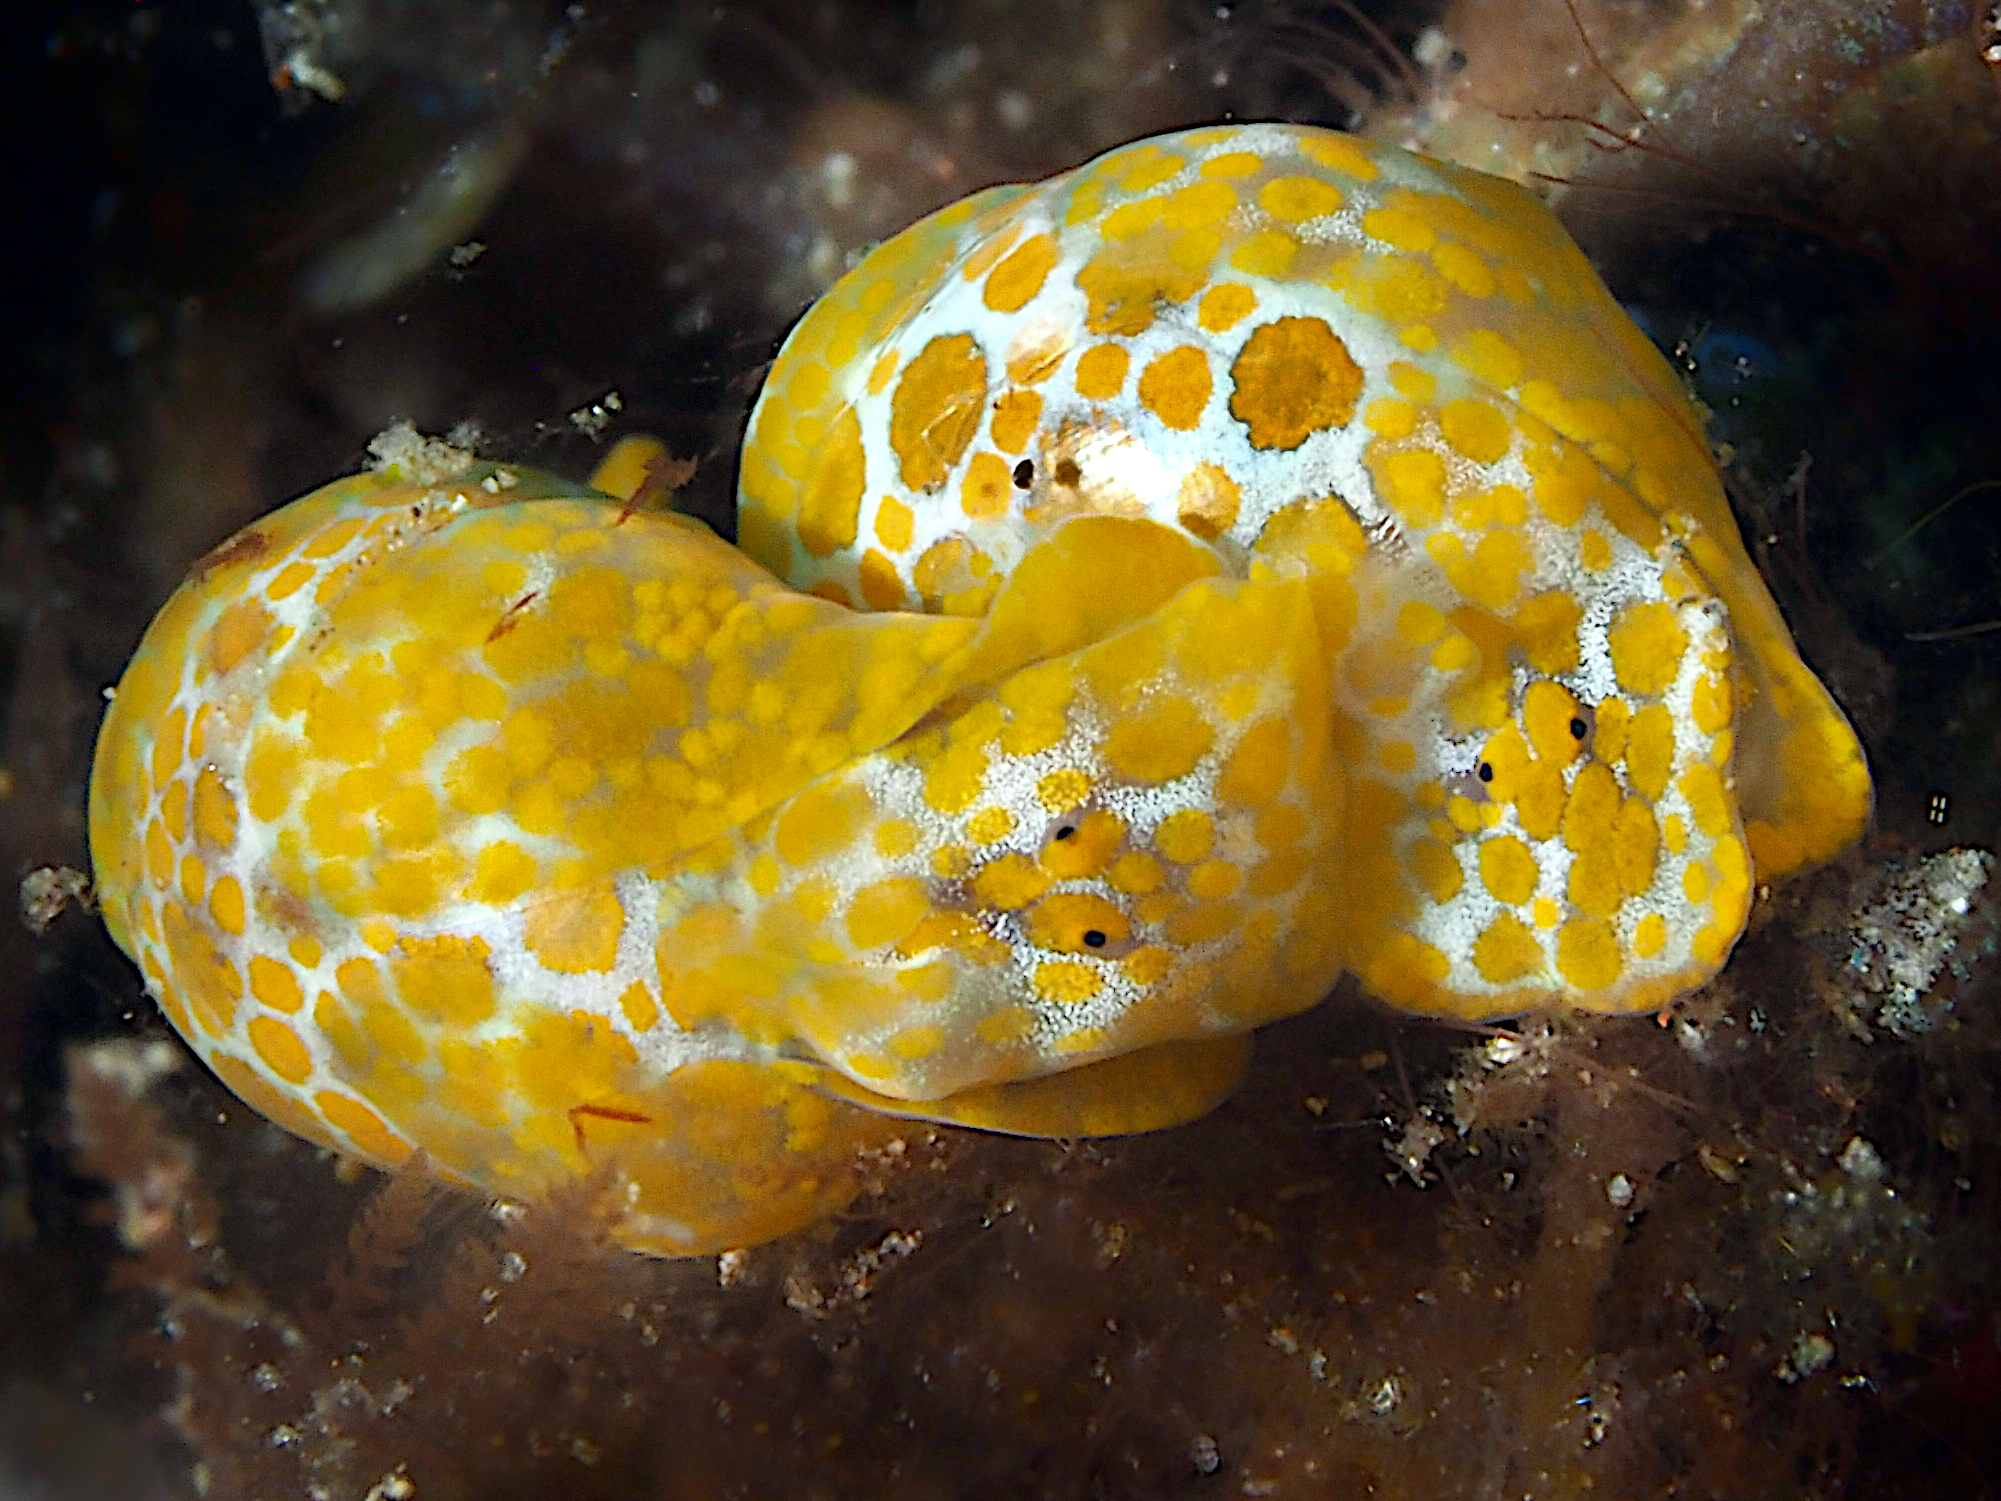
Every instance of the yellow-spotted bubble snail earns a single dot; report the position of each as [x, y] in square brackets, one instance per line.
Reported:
[1254, 555]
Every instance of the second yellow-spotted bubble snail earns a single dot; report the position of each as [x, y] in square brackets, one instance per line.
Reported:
[1255, 555]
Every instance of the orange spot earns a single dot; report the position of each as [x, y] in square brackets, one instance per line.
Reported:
[1013, 424]
[275, 985]
[174, 810]
[448, 978]
[1587, 951]
[363, 1127]
[1020, 276]
[576, 932]
[215, 812]
[279, 1046]
[1175, 387]
[640, 1009]
[1647, 645]
[169, 745]
[820, 823]
[1075, 923]
[882, 585]
[1101, 371]
[1225, 305]
[159, 854]
[1010, 882]
[894, 523]
[1078, 851]
[996, 245]
[198, 731]
[1293, 378]
[225, 905]
[1339, 153]
[937, 408]
[1297, 198]
[1507, 950]
[1232, 164]
[239, 632]
[831, 505]
[987, 488]
[1475, 430]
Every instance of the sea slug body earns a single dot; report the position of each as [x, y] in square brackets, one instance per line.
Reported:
[1254, 555]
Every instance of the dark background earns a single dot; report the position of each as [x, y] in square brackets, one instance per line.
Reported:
[223, 281]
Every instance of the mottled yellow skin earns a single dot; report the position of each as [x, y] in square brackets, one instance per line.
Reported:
[486, 818]
[1575, 727]
[1367, 602]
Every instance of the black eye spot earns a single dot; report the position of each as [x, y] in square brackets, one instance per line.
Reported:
[1024, 475]
[1067, 831]
[1484, 771]
[1579, 729]
[1067, 473]
[1094, 939]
